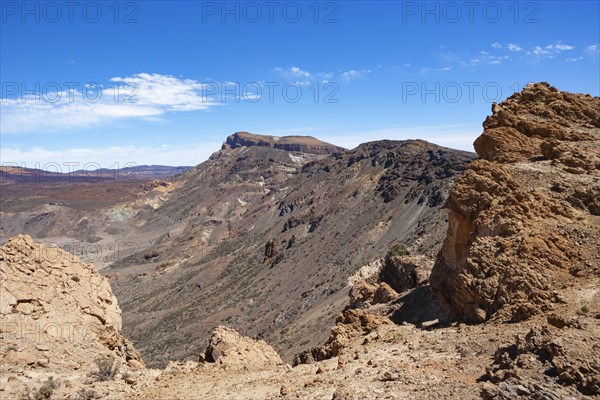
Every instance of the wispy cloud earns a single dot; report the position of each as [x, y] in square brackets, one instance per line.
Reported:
[514, 47]
[295, 72]
[426, 70]
[142, 96]
[593, 50]
[354, 74]
[108, 157]
[510, 52]
[301, 76]
[549, 51]
[561, 47]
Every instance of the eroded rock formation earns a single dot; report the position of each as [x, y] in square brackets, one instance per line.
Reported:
[58, 316]
[228, 348]
[524, 218]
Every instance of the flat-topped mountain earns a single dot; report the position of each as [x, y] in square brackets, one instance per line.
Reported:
[303, 144]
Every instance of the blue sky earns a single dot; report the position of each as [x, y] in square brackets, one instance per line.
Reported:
[153, 82]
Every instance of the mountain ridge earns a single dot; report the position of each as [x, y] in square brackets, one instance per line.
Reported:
[303, 144]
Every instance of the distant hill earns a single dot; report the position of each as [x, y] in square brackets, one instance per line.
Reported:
[11, 175]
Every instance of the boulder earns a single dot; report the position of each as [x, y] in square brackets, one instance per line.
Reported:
[229, 348]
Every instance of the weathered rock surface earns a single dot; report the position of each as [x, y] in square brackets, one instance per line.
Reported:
[230, 349]
[524, 220]
[566, 356]
[58, 316]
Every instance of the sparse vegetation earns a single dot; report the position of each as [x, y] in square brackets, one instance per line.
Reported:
[86, 394]
[107, 367]
[397, 250]
[583, 310]
[44, 392]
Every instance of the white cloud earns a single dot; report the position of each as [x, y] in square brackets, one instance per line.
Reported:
[354, 74]
[302, 77]
[514, 47]
[496, 45]
[110, 157]
[299, 76]
[549, 51]
[141, 96]
[295, 71]
[593, 49]
[563, 47]
[538, 51]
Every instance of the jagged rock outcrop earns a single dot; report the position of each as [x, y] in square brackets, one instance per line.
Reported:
[406, 272]
[350, 325]
[302, 144]
[271, 249]
[230, 349]
[567, 358]
[58, 315]
[524, 221]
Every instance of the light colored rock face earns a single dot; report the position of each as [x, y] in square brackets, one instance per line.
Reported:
[58, 315]
[48, 285]
[228, 348]
[524, 219]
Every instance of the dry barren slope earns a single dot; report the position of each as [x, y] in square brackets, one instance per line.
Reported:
[265, 241]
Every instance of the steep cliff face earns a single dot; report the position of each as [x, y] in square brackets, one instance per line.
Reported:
[304, 144]
[525, 218]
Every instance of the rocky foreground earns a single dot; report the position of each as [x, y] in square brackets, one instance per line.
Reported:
[510, 310]
[60, 326]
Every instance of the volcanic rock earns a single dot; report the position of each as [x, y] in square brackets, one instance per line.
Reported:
[57, 313]
[523, 218]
